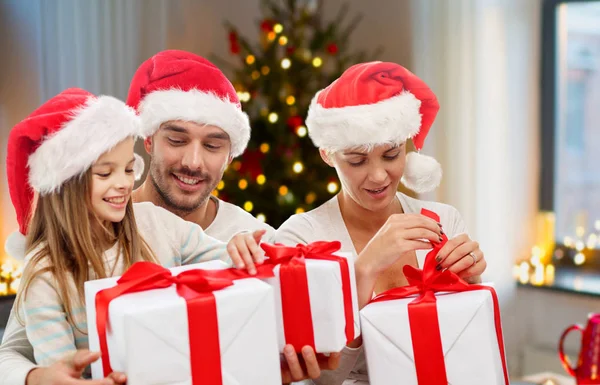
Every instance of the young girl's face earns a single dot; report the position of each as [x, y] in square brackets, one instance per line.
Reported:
[112, 182]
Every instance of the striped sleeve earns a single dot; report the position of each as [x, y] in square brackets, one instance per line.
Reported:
[46, 324]
[16, 353]
[197, 246]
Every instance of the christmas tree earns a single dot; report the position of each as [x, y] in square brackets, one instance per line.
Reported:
[281, 172]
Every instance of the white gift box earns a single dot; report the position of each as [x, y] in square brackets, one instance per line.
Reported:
[148, 338]
[326, 303]
[468, 333]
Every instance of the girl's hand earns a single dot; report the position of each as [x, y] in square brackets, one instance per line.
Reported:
[244, 251]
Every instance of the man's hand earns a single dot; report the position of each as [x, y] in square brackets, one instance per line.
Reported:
[298, 367]
[68, 372]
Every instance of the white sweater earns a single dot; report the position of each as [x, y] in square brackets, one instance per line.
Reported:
[231, 219]
[172, 239]
[325, 223]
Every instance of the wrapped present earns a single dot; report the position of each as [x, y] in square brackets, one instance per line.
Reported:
[183, 326]
[439, 330]
[315, 295]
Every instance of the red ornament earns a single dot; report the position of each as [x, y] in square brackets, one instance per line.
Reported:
[267, 25]
[332, 48]
[234, 45]
[290, 49]
[294, 122]
[251, 163]
[224, 197]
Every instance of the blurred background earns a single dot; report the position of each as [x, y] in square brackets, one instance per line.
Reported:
[518, 83]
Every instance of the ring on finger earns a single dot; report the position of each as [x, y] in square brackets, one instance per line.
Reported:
[474, 258]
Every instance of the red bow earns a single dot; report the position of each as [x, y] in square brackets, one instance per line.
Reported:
[423, 317]
[196, 287]
[295, 300]
[279, 253]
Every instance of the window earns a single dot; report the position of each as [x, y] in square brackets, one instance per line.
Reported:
[570, 178]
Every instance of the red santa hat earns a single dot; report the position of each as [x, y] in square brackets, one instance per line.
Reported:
[179, 85]
[377, 103]
[61, 140]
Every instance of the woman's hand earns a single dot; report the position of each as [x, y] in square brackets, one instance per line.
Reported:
[462, 256]
[400, 234]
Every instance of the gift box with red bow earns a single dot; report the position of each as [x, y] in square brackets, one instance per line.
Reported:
[439, 330]
[184, 325]
[315, 295]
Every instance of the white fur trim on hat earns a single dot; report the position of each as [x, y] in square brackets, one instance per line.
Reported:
[393, 120]
[196, 106]
[138, 166]
[96, 128]
[422, 173]
[15, 245]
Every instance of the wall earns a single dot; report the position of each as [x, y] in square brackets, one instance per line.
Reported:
[48, 46]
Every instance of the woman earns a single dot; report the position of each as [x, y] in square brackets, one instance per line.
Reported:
[361, 123]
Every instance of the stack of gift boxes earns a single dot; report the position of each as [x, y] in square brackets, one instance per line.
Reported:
[209, 324]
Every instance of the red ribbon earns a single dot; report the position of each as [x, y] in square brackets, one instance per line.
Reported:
[196, 287]
[295, 299]
[422, 313]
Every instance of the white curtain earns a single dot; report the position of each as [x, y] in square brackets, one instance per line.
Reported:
[96, 45]
[48, 46]
[482, 59]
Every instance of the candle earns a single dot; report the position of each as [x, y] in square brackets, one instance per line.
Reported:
[3, 288]
[14, 286]
[592, 241]
[516, 271]
[524, 273]
[544, 234]
[549, 278]
[538, 275]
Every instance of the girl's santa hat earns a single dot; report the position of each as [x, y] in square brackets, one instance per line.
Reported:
[378, 103]
[61, 140]
[179, 85]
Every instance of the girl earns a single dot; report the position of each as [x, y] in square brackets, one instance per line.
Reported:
[361, 123]
[76, 153]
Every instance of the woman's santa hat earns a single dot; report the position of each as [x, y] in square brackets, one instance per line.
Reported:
[378, 103]
[59, 141]
[179, 85]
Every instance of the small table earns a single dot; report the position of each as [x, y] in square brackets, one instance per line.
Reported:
[546, 378]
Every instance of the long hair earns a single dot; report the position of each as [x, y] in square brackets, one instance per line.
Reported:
[63, 232]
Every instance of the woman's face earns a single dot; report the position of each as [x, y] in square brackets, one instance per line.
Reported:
[370, 178]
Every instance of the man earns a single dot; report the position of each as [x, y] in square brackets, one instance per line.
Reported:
[194, 126]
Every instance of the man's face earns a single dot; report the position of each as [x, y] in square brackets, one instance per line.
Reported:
[188, 161]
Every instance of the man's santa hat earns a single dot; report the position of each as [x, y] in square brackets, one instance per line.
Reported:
[59, 141]
[179, 85]
[378, 103]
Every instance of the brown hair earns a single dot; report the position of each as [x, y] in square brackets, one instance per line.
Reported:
[63, 229]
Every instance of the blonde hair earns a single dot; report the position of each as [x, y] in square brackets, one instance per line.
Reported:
[330, 152]
[62, 232]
